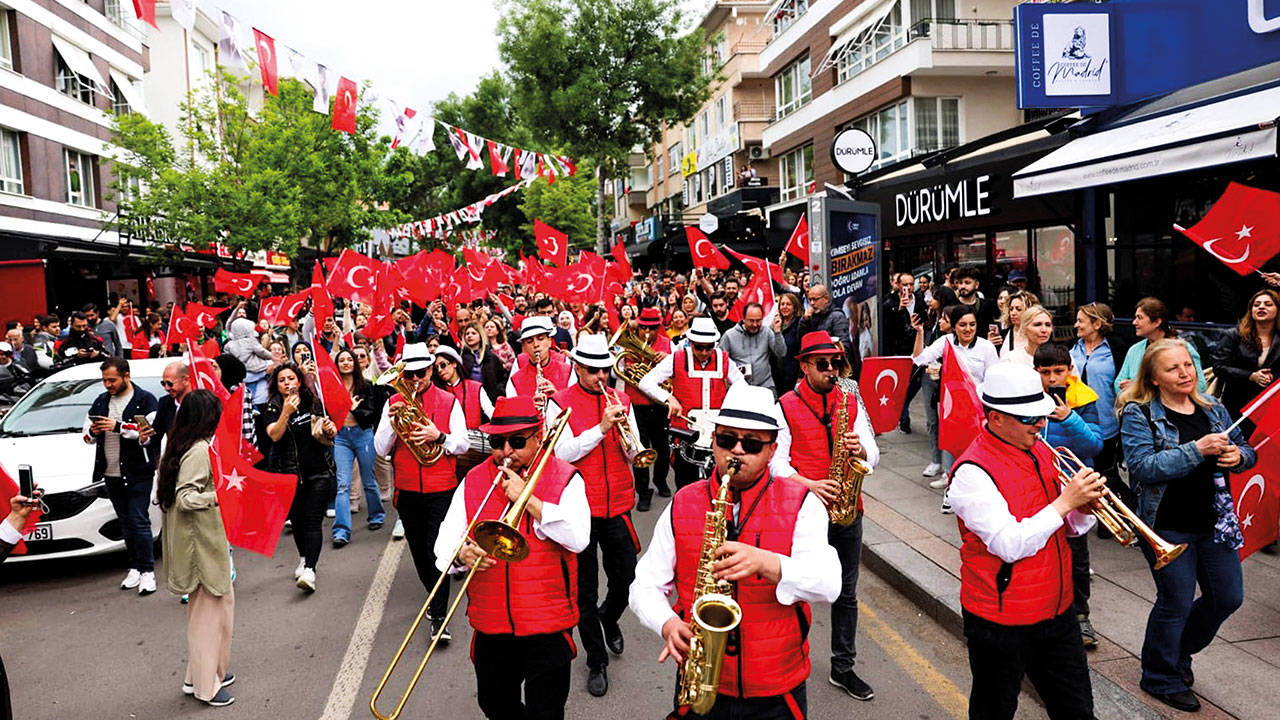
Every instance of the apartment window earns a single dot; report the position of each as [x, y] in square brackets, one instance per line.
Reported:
[657, 173]
[673, 159]
[937, 123]
[10, 162]
[199, 63]
[704, 130]
[722, 119]
[115, 12]
[794, 87]
[795, 170]
[925, 11]
[6, 38]
[73, 85]
[80, 188]
[119, 104]
[711, 181]
[788, 12]
[871, 45]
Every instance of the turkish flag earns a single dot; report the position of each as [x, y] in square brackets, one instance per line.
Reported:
[344, 106]
[354, 276]
[623, 272]
[1259, 512]
[269, 309]
[1242, 229]
[204, 315]
[536, 274]
[211, 347]
[254, 503]
[1264, 411]
[204, 373]
[759, 290]
[553, 245]
[321, 303]
[583, 281]
[798, 245]
[267, 61]
[9, 488]
[381, 323]
[705, 255]
[290, 307]
[183, 328]
[883, 383]
[146, 11]
[959, 409]
[234, 283]
[333, 392]
[760, 267]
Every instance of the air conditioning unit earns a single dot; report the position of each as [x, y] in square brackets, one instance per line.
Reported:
[758, 152]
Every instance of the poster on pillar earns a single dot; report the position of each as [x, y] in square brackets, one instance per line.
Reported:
[844, 252]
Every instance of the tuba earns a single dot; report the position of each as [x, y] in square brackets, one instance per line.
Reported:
[845, 469]
[714, 613]
[407, 414]
[636, 357]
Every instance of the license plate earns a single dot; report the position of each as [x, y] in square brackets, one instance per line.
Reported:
[41, 532]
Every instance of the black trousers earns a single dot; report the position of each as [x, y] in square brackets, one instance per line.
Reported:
[6, 709]
[793, 705]
[522, 678]
[307, 515]
[617, 549]
[422, 514]
[1048, 652]
[652, 423]
[1080, 573]
[847, 541]
[913, 387]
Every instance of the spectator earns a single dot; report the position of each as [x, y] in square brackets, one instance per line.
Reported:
[1009, 335]
[197, 556]
[899, 334]
[81, 345]
[176, 382]
[480, 364]
[1036, 329]
[545, 307]
[1096, 356]
[1188, 315]
[302, 356]
[720, 307]
[11, 529]
[787, 325]
[23, 353]
[565, 320]
[104, 327]
[1151, 324]
[46, 340]
[1179, 453]
[495, 335]
[1247, 359]
[1018, 279]
[691, 306]
[820, 316]
[677, 327]
[967, 281]
[149, 340]
[931, 385]
[353, 446]
[752, 346]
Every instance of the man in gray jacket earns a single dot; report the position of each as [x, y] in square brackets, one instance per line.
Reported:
[749, 344]
[833, 321]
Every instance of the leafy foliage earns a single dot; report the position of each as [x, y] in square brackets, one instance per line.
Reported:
[566, 206]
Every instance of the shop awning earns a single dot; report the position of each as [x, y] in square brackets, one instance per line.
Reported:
[273, 278]
[1214, 133]
[79, 62]
[132, 94]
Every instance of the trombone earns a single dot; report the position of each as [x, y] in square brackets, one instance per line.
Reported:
[498, 538]
[1123, 524]
[642, 457]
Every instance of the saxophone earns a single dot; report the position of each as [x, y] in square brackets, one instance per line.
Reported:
[845, 469]
[407, 414]
[714, 613]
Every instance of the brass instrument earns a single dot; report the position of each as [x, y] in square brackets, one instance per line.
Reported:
[846, 469]
[642, 457]
[539, 397]
[714, 613]
[636, 357]
[507, 544]
[407, 414]
[1124, 524]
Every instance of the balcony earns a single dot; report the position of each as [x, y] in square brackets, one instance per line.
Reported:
[948, 35]
[753, 111]
[941, 37]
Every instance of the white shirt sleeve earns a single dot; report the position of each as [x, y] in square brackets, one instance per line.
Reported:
[451, 528]
[569, 521]
[651, 383]
[486, 405]
[656, 577]
[979, 504]
[456, 441]
[780, 465]
[384, 438]
[511, 387]
[866, 436]
[573, 448]
[812, 572]
[734, 376]
[9, 533]
[932, 353]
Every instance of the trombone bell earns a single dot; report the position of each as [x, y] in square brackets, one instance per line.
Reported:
[501, 541]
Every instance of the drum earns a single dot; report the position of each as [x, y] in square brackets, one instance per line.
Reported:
[477, 452]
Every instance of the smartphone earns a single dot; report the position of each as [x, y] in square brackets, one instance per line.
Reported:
[141, 421]
[993, 329]
[1060, 393]
[26, 481]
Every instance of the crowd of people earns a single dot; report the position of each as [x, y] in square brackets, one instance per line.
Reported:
[454, 402]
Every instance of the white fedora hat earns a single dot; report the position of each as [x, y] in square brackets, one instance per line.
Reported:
[748, 407]
[534, 326]
[417, 356]
[593, 351]
[1015, 389]
[703, 330]
[448, 352]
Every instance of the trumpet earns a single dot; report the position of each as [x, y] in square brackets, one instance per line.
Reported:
[1123, 524]
[499, 538]
[642, 457]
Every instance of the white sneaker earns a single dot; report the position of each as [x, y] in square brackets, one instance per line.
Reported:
[302, 565]
[939, 483]
[397, 532]
[330, 513]
[147, 583]
[131, 580]
[946, 505]
[307, 580]
[932, 469]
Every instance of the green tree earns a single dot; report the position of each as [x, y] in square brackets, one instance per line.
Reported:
[566, 206]
[600, 77]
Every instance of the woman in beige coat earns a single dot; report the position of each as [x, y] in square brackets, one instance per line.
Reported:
[196, 555]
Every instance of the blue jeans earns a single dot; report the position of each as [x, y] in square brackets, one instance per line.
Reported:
[131, 501]
[354, 444]
[1180, 625]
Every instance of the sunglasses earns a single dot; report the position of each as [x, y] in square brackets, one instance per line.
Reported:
[1028, 420]
[422, 372]
[166, 383]
[750, 445]
[824, 365]
[702, 347]
[517, 442]
[595, 370]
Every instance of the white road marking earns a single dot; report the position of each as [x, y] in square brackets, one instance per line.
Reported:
[346, 686]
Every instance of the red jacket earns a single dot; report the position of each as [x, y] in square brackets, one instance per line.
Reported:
[610, 484]
[411, 476]
[468, 394]
[773, 655]
[525, 377]
[811, 417]
[698, 387]
[537, 595]
[1040, 586]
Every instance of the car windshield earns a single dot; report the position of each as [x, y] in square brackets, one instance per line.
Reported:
[59, 406]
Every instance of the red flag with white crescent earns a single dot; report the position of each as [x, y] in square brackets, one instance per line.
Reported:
[321, 303]
[204, 315]
[1242, 229]
[254, 504]
[337, 399]
[705, 255]
[798, 244]
[344, 105]
[204, 373]
[267, 61]
[269, 308]
[883, 384]
[234, 283]
[623, 266]
[959, 408]
[290, 307]
[183, 328]
[353, 276]
[1256, 494]
[553, 245]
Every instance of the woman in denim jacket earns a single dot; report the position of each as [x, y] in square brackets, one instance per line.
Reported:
[1179, 454]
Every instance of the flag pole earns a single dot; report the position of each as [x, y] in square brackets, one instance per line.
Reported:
[1254, 405]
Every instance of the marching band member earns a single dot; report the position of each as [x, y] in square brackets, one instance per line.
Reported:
[475, 402]
[543, 371]
[423, 492]
[809, 413]
[776, 554]
[1015, 564]
[651, 417]
[595, 444]
[700, 376]
[523, 614]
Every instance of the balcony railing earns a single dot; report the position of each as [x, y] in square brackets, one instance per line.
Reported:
[753, 111]
[982, 35]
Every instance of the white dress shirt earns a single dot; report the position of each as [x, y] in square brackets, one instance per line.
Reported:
[651, 383]
[9, 533]
[810, 574]
[567, 522]
[456, 441]
[573, 448]
[781, 463]
[975, 358]
[977, 501]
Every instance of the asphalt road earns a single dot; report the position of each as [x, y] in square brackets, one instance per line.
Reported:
[76, 646]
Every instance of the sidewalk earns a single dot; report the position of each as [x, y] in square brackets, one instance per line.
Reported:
[916, 549]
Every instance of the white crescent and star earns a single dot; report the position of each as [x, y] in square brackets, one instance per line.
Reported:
[235, 481]
[351, 277]
[247, 285]
[947, 402]
[1208, 246]
[573, 287]
[884, 397]
[1260, 482]
[698, 248]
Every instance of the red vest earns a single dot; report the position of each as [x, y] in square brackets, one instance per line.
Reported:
[773, 655]
[525, 377]
[698, 388]
[409, 475]
[662, 344]
[1040, 588]
[537, 595]
[810, 417]
[610, 484]
[468, 393]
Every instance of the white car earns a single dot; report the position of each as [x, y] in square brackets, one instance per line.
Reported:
[43, 430]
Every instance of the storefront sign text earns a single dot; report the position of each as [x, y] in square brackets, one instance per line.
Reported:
[944, 201]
